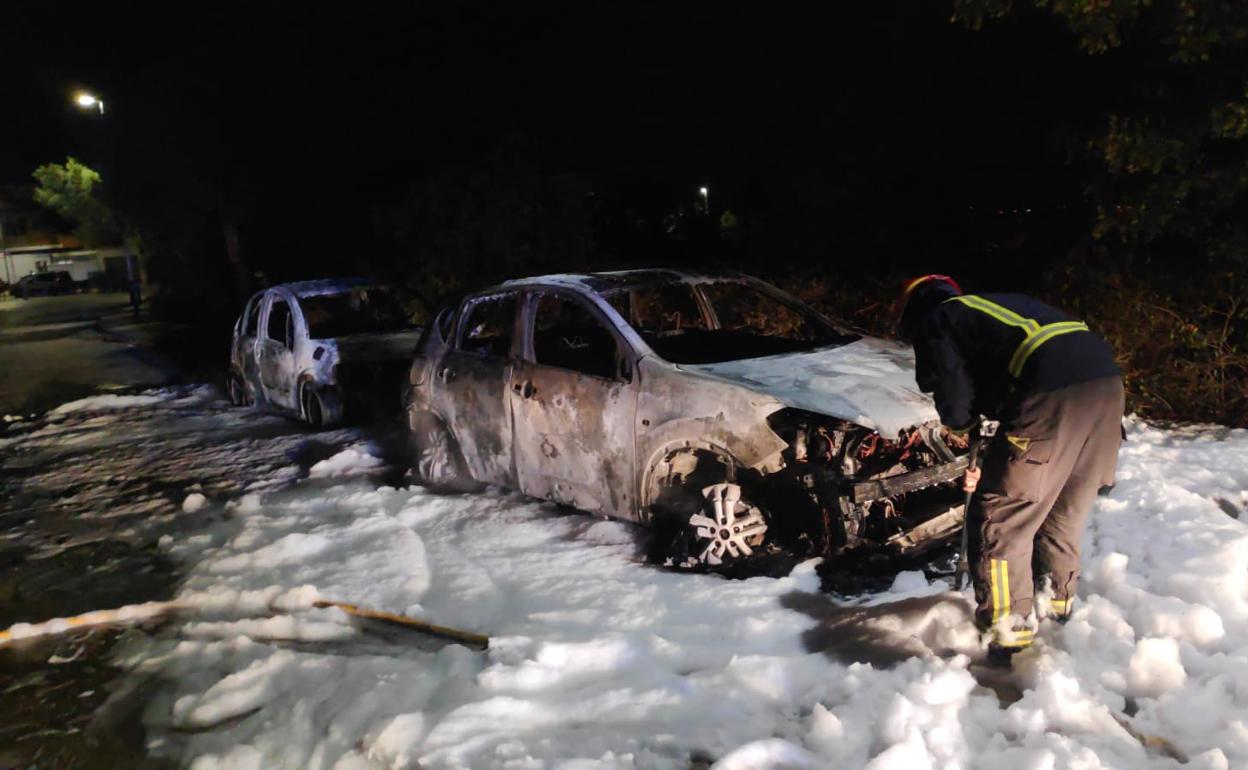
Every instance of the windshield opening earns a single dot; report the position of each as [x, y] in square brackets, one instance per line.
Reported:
[358, 311]
[721, 321]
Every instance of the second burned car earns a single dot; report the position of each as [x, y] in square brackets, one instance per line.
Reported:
[716, 407]
[319, 350]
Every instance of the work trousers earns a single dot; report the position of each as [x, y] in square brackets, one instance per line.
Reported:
[1041, 475]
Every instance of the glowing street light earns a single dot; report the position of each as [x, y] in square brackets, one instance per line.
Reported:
[706, 201]
[87, 101]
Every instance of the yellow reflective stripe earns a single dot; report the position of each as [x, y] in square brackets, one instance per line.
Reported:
[1034, 340]
[999, 572]
[1036, 335]
[995, 587]
[1002, 314]
[1005, 587]
[1061, 606]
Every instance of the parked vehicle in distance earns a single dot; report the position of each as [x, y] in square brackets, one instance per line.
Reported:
[44, 284]
[321, 349]
[716, 408]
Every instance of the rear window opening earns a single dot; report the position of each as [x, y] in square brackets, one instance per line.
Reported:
[720, 321]
[359, 311]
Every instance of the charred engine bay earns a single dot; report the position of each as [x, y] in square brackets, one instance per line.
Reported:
[845, 493]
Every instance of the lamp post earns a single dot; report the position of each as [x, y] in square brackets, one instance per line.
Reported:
[706, 200]
[87, 101]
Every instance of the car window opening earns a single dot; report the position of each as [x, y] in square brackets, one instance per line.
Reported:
[744, 322]
[279, 323]
[489, 325]
[359, 311]
[566, 335]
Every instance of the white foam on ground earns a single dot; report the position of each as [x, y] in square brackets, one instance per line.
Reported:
[109, 402]
[349, 461]
[600, 661]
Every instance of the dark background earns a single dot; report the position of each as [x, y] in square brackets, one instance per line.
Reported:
[444, 146]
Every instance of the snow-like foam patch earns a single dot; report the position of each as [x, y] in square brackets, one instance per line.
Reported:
[110, 402]
[599, 661]
[195, 501]
[350, 461]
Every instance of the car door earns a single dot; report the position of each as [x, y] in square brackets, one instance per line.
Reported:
[471, 383]
[243, 353]
[275, 357]
[574, 400]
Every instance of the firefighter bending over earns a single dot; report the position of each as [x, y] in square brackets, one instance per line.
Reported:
[1057, 393]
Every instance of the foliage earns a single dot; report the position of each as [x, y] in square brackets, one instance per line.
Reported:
[1183, 352]
[72, 191]
[1183, 349]
[1173, 145]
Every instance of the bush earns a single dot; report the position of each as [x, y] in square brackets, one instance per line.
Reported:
[1182, 345]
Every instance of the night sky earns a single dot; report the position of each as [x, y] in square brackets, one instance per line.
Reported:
[881, 123]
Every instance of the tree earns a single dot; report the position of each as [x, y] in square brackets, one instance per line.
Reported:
[71, 190]
[1173, 144]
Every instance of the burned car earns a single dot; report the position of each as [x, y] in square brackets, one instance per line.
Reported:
[321, 349]
[716, 407]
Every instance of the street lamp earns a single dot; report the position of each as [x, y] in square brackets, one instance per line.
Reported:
[706, 202]
[87, 101]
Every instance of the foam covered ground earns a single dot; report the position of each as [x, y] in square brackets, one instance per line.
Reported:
[599, 661]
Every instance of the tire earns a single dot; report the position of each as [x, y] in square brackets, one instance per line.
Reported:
[319, 408]
[313, 414]
[236, 389]
[684, 513]
[436, 459]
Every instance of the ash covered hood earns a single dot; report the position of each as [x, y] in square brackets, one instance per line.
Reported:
[869, 382]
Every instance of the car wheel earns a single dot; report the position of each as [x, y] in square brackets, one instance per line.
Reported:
[436, 460]
[310, 407]
[237, 390]
[699, 515]
[728, 529]
[320, 408]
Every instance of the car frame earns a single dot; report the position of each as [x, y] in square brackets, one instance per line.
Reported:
[276, 362]
[688, 449]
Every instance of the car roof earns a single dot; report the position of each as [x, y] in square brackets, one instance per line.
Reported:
[325, 286]
[600, 282]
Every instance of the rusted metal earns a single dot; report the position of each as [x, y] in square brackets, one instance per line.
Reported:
[279, 359]
[829, 425]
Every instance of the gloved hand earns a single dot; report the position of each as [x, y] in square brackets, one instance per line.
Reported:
[971, 479]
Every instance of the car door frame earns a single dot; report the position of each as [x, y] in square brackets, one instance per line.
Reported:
[243, 355]
[469, 392]
[281, 392]
[556, 455]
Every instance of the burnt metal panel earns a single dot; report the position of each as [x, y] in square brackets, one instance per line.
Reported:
[875, 489]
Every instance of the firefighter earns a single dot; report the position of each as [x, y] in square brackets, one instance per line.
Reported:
[1057, 393]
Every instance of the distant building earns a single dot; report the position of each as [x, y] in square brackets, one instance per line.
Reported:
[109, 268]
[28, 244]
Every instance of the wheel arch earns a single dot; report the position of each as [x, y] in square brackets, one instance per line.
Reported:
[664, 453]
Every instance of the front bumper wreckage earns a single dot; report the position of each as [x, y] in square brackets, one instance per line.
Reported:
[933, 503]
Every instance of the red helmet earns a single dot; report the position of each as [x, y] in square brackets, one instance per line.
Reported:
[908, 289]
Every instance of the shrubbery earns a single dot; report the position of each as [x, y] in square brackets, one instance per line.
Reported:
[1182, 344]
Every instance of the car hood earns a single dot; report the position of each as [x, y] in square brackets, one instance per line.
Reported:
[869, 382]
[386, 346]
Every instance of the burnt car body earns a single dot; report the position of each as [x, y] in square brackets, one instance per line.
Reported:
[321, 350]
[717, 407]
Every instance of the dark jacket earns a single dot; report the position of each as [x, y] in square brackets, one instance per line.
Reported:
[963, 357]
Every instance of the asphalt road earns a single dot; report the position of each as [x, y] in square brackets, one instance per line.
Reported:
[55, 349]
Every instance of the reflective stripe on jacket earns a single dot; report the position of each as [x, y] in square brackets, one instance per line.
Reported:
[981, 353]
